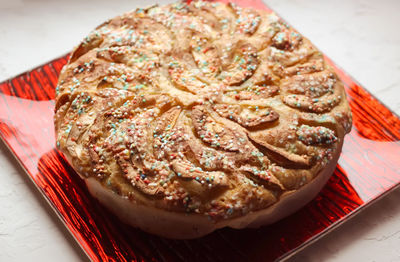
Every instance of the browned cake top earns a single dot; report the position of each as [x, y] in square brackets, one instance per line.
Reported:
[204, 108]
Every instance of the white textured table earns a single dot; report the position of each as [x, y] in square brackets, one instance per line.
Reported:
[360, 36]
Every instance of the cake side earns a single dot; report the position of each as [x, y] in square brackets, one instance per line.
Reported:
[188, 226]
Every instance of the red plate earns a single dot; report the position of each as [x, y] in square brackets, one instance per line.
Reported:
[368, 168]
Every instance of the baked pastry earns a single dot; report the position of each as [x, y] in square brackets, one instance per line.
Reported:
[186, 118]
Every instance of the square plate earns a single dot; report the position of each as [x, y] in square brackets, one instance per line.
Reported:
[368, 168]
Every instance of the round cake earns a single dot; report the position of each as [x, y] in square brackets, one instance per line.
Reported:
[186, 118]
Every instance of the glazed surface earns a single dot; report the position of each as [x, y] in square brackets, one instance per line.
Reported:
[202, 108]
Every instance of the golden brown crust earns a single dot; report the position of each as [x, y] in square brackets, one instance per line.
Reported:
[204, 108]
[175, 225]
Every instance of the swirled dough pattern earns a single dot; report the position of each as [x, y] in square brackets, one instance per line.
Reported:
[201, 108]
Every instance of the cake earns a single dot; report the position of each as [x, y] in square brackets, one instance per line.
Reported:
[186, 118]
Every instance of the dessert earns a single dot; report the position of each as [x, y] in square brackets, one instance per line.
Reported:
[186, 118]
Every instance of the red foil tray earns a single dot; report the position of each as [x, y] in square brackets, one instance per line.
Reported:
[368, 168]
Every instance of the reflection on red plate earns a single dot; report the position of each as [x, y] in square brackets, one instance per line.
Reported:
[369, 167]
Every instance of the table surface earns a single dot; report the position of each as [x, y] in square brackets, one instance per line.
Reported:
[360, 36]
